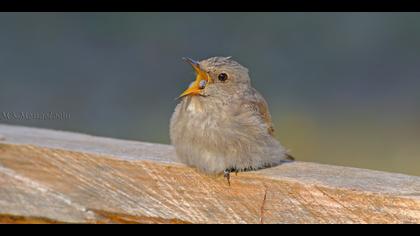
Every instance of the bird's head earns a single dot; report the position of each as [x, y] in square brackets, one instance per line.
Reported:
[216, 75]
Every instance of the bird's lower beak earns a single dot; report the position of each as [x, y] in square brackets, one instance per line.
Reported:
[200, 82]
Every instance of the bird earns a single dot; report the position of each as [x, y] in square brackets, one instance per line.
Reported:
[222, 124]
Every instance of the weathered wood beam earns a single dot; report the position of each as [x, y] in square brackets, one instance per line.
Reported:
[60, 177]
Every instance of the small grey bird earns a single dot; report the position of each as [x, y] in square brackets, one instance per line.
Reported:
[222, 124]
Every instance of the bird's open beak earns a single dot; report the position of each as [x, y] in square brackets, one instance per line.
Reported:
[201, 79]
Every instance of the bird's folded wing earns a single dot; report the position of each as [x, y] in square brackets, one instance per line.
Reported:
[257, 104]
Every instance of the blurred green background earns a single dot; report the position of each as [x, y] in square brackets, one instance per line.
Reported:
[343, 88]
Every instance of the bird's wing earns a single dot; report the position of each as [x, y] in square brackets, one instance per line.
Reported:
[257, 104]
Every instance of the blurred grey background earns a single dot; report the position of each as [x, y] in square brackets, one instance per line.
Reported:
[343, 88]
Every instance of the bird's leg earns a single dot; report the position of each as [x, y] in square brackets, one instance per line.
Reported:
[227, 175]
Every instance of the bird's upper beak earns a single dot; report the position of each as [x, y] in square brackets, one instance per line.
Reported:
[197, 86]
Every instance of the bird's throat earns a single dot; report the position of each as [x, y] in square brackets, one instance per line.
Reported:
[194, 104]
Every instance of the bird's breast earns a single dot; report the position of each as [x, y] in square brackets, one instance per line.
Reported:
[203, 114]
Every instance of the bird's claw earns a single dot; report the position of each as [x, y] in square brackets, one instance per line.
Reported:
[227, 175]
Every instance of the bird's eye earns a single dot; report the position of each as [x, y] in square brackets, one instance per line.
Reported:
[222, 77]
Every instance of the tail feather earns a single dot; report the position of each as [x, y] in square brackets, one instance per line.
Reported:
[289, 157]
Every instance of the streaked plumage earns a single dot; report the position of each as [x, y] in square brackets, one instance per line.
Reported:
[227, 125]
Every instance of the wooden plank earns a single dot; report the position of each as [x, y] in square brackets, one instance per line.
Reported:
[54, 177]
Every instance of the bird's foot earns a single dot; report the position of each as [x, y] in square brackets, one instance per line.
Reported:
[227, 175]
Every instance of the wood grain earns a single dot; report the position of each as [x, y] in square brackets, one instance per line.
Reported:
[60, 177]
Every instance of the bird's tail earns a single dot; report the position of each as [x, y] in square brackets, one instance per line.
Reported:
[288, 157]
